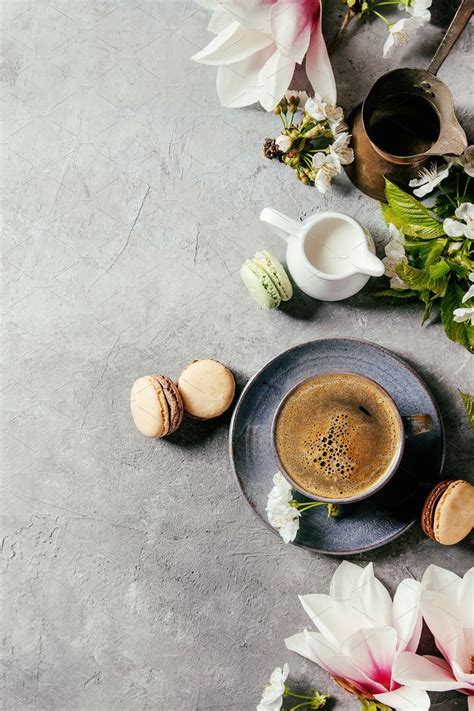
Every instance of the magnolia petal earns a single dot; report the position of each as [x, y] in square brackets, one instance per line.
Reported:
[405, 699]
[317, 64]
[220, 19]
[238, 84]
[274, 79]
[344, 580]
[423, 673]
[291, 24]
[233, 44]
[444, 621]
[439, 580]
[372, 599]
[331, 617]
[465, 598]
[470, 703]
[314, 646]
[254, 14]
[373, 652]
[466, 678]
[406, 615]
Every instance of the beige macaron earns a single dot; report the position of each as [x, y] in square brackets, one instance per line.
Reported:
[448, 513]
[156, 405]
[207, 388]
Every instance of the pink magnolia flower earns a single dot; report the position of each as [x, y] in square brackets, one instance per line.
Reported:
[447, 605]
[361, 634]
[257, 46]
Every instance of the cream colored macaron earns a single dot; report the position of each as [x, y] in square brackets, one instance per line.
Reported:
[207, 388]
[156, 405]
[454, 514]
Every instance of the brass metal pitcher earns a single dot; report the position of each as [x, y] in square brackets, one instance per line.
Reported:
[405, 121]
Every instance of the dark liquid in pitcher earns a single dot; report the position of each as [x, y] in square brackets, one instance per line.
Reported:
[404, 125]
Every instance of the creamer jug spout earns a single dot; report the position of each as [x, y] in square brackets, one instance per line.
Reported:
[282, 225]
[367, 263]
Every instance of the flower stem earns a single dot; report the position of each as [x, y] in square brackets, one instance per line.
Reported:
[467, 184]
[348, 16]
[448, 196]
[387, 22]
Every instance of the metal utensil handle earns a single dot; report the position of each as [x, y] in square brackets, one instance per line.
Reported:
[455, 29]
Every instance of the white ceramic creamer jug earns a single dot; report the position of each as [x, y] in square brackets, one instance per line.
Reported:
[330, 256]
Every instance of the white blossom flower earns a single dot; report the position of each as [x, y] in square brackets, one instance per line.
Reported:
[419, 8]
[455, 228]
[401, 32]
[258, 45]
[281, 515]
[446, 602]
[397, 283]
[301, 95]
[272, 697]
[470, 292]
[395, 254]
[362, 633]
[283, 142]
[464, 314]
[316, 108]
[428, 179]
[340, 150]
[326, 168]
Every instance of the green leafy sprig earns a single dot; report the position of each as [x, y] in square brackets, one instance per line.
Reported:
[468, 401]
[437, 267]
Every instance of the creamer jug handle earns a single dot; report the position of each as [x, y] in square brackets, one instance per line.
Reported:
[285, 227]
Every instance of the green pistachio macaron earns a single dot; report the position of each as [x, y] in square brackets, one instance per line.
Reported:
[266, 280]
[276, 272]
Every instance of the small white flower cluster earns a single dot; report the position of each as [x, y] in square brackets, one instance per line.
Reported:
[281, 515]
[467, 313]
[272, 697]
[395, 254]
[429, 178]
[401, 32]
[328, 165]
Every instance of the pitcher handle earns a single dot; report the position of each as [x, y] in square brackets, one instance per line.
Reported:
[282, 225]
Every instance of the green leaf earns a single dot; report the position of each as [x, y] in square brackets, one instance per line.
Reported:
[439, 269]
[397, 293]
[462, 333]
[421, 280]
[468, 401]
[413, 218]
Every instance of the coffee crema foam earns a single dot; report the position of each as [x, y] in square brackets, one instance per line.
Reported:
[337, 434]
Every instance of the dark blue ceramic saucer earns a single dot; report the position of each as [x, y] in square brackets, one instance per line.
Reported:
[372, 522]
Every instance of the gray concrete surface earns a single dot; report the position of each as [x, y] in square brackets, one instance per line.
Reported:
[135, 577]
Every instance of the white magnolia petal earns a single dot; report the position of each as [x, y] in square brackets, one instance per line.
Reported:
[373, 651]
[372, 599]
[238, 84]
[233, 44]
[406, 615]
[274, 79]
[466, 606]
[220, 19]
[422, 673]
[291, 24]
[453, 228]
[314, 646]
[466, 678]
[405, 699]
[318, 66]
[254, 14]
[344, 580]
[445, 624]
[437, 579]
[470, 703]
[332, 617]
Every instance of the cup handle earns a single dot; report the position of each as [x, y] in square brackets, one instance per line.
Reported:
[417, 424]
[282, 225]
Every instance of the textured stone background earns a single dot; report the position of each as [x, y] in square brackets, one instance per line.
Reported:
[135, 575]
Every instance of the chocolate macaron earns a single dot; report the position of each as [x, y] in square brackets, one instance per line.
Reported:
[156, 405]
[207, 388]
[448, 513]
